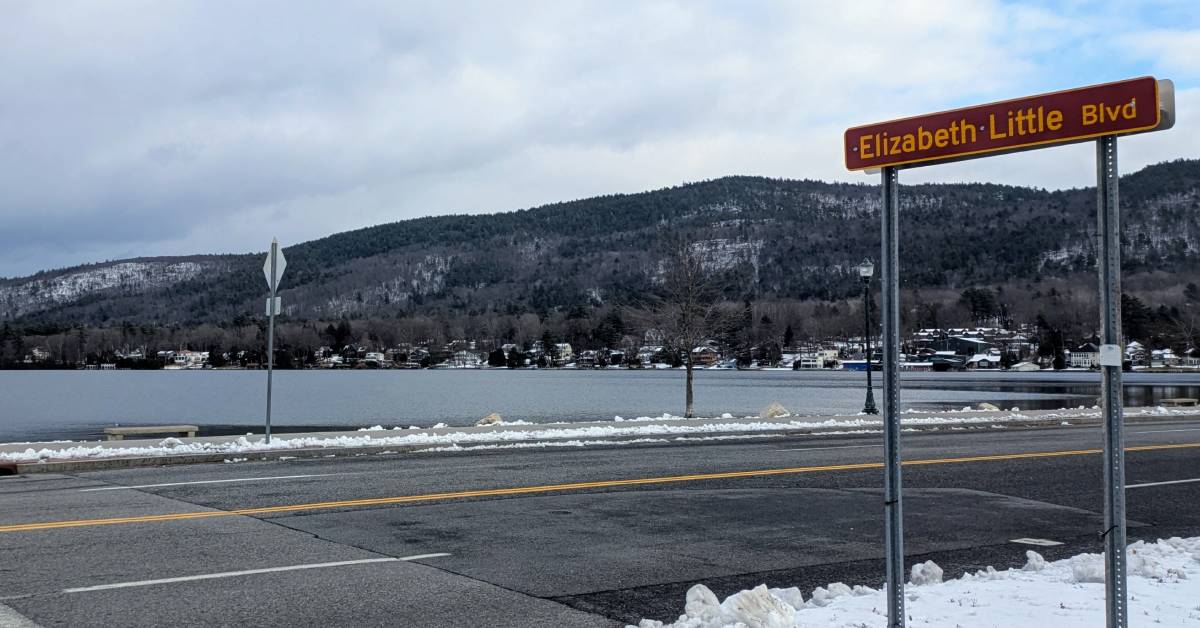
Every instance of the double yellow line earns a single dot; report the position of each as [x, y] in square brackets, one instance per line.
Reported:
[550, 488]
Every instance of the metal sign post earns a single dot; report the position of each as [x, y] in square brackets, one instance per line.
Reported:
[893, 518]
[273, 269]
[1109, 266]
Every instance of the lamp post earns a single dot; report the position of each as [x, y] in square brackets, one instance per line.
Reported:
[866, 270]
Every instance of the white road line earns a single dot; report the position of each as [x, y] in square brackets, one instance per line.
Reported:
[278, 477]
[1192, 429]
[1148, 484]
[248, 572]
[838, 447]
[1038, 542]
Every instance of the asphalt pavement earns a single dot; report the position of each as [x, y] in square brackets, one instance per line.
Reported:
[592, 536]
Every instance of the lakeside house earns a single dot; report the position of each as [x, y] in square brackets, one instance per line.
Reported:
[1191, 358]
[1163, 357]
[705, 355]
[990, 360]
[1085, 356]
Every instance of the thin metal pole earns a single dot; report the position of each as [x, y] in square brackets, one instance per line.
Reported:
[1108, 216]
[893, 518]
[271, 332]
[869, 406]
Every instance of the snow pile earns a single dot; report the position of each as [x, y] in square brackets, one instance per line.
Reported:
[925, 573]
[640, 428]
[1164, 586]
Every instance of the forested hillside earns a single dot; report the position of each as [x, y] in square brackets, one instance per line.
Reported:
[772, 241]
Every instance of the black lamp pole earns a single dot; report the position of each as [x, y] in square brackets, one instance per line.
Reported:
[869, 407]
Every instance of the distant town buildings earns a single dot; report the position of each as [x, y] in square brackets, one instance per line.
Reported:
[926, 349]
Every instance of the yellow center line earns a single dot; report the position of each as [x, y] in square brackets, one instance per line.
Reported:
[549, 488]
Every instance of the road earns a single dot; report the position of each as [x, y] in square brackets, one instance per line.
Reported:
[555, 537]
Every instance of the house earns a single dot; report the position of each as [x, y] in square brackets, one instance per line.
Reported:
[1135, 353]
[946, 361]
[649, 354]
[1085, 356]
[705, 355]
[465, 359]
[616, 357]
[418, 358]
[564, 354]
[190, 359]
[983, 361]
[810, 360]
[376, 359]
[332, 361]
[1191, 358]
[587, 359]
[1163, 357]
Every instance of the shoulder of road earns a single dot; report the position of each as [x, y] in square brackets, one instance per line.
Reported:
[97, 455]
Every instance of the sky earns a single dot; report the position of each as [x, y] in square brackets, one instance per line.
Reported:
[140, 128]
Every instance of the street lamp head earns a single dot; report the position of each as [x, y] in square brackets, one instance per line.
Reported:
[866, 269]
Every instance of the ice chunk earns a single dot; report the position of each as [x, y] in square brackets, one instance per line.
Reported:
[927, 572]
[791, 595]
[823, 596]
[757, 608]
[1034, 561]
[1087, 568]
[701, 604]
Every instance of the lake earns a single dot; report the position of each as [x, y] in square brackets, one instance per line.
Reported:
[42, 405]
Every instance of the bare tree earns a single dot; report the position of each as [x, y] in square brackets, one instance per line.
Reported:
[688, 311]
[1187, 327]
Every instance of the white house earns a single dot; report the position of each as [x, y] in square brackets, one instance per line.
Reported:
[1085, 356]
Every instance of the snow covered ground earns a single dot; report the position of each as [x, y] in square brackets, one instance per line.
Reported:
[1164, 589]
[562, 434]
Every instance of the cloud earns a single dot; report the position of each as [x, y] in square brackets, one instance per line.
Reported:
[144, 128]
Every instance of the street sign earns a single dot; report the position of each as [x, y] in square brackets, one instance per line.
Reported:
[280, 264]
[274, 311]
[1073, 115]
[1102, 112]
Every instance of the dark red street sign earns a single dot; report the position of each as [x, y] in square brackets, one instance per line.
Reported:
[1019, 124]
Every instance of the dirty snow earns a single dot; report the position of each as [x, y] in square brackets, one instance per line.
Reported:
[1164, 589]
[642, 427]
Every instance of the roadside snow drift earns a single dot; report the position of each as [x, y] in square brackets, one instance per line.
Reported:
[565, 433]
[1164, 589]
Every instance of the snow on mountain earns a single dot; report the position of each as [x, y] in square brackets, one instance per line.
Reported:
[39, 292]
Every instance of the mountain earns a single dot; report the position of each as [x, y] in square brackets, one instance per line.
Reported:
[773, 239]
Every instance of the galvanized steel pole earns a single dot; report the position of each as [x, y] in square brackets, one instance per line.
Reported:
[271, 330]
[1109, 265]
[890, 311]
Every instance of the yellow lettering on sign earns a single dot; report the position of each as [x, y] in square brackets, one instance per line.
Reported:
[1054, 120]
[924, 139]
[941, 137]
[1088, 115]
[993, 132]
[1100, 113]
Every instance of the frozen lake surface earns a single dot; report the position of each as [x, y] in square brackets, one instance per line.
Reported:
[39, 405]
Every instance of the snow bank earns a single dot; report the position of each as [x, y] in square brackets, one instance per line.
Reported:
[642, 427]
[1164, 586]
